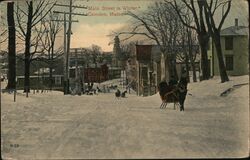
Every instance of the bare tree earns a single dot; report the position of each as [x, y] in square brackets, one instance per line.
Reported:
[52, 27]
[189, 47]
[184, 47]
[95, 53]
[127, 49]
[162, 25]
[208, 9]
[214, 30]
[28, 17]
[96, 49]
[11, 47]
[3, 30]
[193, 50]
[184, 8]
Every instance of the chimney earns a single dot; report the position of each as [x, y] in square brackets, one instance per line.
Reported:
[236, 22]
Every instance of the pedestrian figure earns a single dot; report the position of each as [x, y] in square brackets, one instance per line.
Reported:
[98, 89]
[118, 93]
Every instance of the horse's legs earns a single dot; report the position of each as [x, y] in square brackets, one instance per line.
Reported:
[182, 107]
[182, 100]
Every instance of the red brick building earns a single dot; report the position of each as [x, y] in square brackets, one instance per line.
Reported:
[96, 75]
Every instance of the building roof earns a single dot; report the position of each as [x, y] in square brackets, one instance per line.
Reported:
[153, 52]
[235, 31]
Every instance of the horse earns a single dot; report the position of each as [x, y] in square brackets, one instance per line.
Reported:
[173, 93]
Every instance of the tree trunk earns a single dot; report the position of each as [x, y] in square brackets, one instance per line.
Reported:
[11, 47]
[174, 70]
[192, 63]
[190, 54]
[170, 68]
[50, 77]
[51, 66]
[27, 50]
[194, 72]
[222, 68]
[26, 75]
[187, 65]
[203, 41]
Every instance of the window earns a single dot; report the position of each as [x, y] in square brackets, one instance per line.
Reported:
[229, 63]
[229, 43]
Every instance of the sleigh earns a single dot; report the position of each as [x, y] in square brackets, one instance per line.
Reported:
[171, 96]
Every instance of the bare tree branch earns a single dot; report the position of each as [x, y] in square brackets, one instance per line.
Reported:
[225, 15]
[3, 34]
[181, 15]
[36, 15]
[19, 17]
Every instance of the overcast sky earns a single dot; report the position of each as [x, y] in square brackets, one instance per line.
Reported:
[105, 17]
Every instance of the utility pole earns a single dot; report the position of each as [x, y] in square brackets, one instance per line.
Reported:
[65, 56]
[68, 46]
[65, 47]
[67, 37]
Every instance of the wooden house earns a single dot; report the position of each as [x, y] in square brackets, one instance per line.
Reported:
[234, 41]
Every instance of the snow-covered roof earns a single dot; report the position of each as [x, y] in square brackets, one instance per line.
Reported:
[235, 31]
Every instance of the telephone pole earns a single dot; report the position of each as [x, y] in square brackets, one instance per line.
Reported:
[67, 38]
[68, 46]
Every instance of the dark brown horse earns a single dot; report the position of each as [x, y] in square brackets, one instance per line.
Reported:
[173, 94]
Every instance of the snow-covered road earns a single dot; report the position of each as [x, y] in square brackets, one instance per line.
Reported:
[53, 126]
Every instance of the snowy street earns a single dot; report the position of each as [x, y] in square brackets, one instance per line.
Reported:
[53, 126]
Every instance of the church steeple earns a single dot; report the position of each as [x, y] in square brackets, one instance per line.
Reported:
[117, 48]
[117, 51]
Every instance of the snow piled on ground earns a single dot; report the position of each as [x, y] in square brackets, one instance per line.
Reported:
[53, 126]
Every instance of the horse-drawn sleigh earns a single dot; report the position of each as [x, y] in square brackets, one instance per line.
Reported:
[173, 93]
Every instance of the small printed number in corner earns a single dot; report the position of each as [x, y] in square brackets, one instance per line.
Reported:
[14, 145]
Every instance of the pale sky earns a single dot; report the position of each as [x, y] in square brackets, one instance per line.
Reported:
[94, 29]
